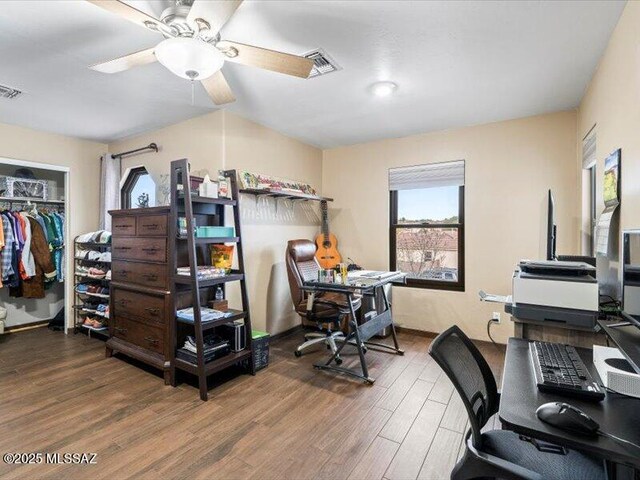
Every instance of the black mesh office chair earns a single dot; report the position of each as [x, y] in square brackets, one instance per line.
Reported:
[500, 453]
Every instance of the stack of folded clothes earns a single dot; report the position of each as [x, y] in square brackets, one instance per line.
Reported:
[214, 347]
[206, 314]
[100, 236]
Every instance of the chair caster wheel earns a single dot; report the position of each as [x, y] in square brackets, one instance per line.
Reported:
[338, 361]
[364, 349]
[297, 353]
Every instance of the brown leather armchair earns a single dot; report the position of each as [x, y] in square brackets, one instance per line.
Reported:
[328, 311]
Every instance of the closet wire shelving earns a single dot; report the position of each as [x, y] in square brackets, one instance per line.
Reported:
[80, 310]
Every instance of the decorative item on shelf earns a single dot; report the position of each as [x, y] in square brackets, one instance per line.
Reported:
[222, 256]
[182, 226]
[223, 185]
[220, 305]
[194, 183]
[208, 188]
[258, 181]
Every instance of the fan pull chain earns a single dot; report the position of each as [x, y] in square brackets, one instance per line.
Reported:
[192, 93]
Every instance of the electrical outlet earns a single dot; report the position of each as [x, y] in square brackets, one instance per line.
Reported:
[496, 317]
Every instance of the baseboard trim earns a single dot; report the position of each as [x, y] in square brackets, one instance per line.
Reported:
[288, 332]
[413, 331]
[26, 326]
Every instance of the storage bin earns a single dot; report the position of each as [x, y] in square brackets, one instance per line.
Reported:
[214, 232]
[15, 187]
[260, 345]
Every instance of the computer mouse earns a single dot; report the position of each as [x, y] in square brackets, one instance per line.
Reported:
[567, 417]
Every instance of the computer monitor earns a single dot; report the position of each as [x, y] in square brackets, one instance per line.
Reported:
[631, 273]
[551, 228]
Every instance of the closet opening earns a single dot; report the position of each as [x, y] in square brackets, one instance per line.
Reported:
[34, 247]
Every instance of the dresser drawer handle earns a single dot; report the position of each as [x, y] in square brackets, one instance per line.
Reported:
[123, 272]
[151, 226]
[123, 302]
[120, 330]
[123, 248]
[152, 340]
[123, 226]
[150, 277]
[150, 250]
[153, 311]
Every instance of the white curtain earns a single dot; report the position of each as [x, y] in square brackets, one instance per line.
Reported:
[109, 189]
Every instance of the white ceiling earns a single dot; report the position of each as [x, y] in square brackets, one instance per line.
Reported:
[456, 64]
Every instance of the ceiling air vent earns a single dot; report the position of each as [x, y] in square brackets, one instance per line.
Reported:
[322, 63]
[8, 92]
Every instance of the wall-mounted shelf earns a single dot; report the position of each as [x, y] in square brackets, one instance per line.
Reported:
[285, 195]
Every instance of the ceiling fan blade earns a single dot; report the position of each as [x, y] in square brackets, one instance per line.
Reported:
[218, 89]
[215, 12]
[268, 59]
[128, 12]
[120, 64]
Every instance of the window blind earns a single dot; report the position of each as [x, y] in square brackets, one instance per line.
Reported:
[446, 174]
[589, 149]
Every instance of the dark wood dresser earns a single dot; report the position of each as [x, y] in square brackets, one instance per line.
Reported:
[141, 302]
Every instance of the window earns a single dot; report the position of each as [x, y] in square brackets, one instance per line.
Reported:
[138, 190]
[426, 232]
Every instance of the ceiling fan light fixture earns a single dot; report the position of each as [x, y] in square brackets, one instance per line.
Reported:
[189, 58]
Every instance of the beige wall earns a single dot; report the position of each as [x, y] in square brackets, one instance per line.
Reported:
[224, 140]
[509, 167]
[82, 157]
[612, 103]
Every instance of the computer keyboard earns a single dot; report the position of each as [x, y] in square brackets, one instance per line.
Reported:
[559, 369]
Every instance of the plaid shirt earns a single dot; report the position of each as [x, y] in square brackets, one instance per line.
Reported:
[7, 251]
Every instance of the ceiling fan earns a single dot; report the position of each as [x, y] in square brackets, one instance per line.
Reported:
[192, 47]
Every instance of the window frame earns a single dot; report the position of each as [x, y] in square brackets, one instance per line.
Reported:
[458, 286]
[129, 184]
[593, 212]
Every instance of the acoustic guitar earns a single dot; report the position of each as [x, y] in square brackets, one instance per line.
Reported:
[327, 244]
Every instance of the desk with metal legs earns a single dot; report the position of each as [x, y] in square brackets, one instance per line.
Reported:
[359, 335]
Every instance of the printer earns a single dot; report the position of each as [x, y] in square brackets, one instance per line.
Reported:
[555, 292]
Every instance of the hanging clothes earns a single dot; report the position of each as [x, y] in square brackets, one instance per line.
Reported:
[27, 257]
[31, 251]
[8, 249]
[45, 269]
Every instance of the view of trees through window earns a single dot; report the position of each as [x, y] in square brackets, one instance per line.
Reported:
[427, 233]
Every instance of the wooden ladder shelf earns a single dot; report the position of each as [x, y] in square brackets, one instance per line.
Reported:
[212, 212]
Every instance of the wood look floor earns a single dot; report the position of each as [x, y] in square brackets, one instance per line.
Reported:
[61, 395]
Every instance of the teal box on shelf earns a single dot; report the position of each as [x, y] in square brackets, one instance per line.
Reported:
[215, 232]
